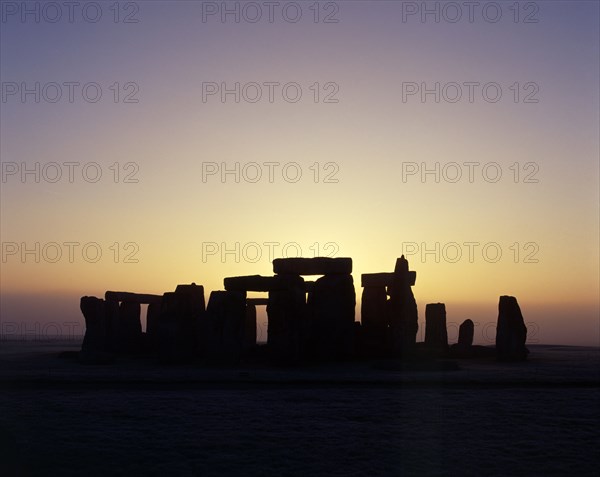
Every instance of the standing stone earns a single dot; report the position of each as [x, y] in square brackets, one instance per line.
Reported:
[182, 314]
[286, 312]
[225, 317]
[250, 327]
[436, 334]
[94, 312]
[333, 302]
[153, 326]
[466, 331]
[402, 310]
[374, 329]
[129, 338]
[511, 332]
[372, 309]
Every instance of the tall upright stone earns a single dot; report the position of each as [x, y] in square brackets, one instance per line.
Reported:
[250, 327]
[511, 332]
[402, 310]
[182, 313]
[225, 319]
[129, 338]
[374, 330]
[436, 333]
[333, 302]
[94, 313]
[286, 312]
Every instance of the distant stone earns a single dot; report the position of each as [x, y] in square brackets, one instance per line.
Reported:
[511, 332]
[312, 266]
[436, 334]
[466, 331]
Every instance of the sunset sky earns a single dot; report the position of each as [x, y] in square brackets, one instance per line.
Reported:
[361, 135]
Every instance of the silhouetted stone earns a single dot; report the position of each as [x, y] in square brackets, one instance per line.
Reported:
[312, 266]
[182, 314]
[94, 313]
[153, 326]
[255, 283]
[402, 311]
[466, 331]
[257, 301]
[132, 297]
[332, 303]
[436, 334]
[129, 337]
[286, 313]
[225, 319]
[385, 279]
[250, 327]
[511, 332]
[375, 330]
[373, 311]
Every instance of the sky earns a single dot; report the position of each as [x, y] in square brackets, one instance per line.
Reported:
[152, 143]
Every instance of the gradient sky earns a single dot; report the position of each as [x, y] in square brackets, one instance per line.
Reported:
[371, 214]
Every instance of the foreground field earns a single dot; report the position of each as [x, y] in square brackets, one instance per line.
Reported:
[134, 418]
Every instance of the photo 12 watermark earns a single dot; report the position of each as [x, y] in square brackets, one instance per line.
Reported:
[484, 332]
[70, 252]
[471, 252]
[69, 172]
[69, 12]
[38, 331]
[470, 172]
[471, 92]
[254, 252]
[471, 12]
[270, 172]
[270, 12]
[254, 92]
[69, 92]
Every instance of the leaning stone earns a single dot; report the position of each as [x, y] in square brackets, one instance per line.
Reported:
[511, 332]
[466, 331]
[312, 266]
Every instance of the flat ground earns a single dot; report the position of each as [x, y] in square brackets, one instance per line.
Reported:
[58, 417]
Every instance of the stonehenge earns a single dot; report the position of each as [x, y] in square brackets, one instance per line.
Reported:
[308, 320]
